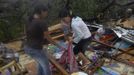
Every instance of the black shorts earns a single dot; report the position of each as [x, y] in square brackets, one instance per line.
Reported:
[79, 47]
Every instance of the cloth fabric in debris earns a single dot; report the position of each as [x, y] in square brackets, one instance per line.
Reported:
[65, 56]
[69, 58]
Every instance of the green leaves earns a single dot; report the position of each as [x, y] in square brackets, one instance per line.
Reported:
[11, 19]
[85, 8]
[13, 13]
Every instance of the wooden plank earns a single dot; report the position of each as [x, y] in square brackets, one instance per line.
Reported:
[115, 58]
[54, 27]
[82, 57]
[127, 51]
[98, 66]
[56, 37]
[57, 65]
[56, 30]
[86, 62]
[122, 50]
[7, 66]
[123, 61]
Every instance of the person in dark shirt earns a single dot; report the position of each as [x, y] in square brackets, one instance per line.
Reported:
[36, 31]
[35, 34]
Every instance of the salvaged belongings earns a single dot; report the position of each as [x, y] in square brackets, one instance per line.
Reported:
[110, 52]
[7, 55]
[110, 44]
[9, 62]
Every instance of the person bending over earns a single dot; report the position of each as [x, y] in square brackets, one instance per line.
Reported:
[81, 33]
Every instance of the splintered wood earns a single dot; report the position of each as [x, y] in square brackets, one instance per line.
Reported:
[56, 32]
[128, 23]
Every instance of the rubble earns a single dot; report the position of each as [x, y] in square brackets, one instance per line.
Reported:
[111, 53]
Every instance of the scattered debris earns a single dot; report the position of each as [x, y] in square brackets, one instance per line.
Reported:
[111, 52]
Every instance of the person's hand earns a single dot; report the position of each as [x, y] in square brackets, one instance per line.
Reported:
[62, 48]
[70, 39]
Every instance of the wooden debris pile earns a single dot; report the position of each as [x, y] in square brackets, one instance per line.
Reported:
[106, 54]
[109, 47]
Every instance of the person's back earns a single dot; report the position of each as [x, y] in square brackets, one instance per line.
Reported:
[35, 35]
[34, 39]
[78, 26]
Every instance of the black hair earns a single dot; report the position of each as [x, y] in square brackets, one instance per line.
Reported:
[64, 13]
[37, 10]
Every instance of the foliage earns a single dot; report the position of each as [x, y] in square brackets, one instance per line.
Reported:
[13, 13]
[10, 19]
[88, 8]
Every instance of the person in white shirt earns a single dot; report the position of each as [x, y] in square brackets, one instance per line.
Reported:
[81, 33]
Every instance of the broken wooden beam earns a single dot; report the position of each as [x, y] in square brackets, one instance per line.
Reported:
[57, 65]
[127, 51]
[82, 57]
[86, 64]
[122, 50]
[59, 36]
[123, 61]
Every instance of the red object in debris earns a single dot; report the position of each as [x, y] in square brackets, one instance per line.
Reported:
[68, 57]
[106, 37]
